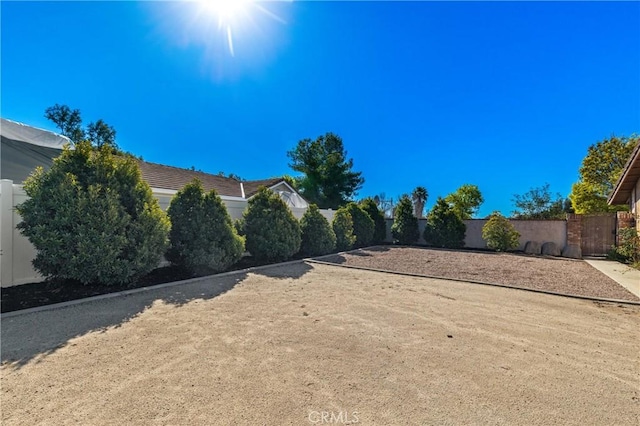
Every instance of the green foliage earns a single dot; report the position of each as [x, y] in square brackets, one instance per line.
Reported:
[363, 226]
[93, 219]
[405, 225]
[202, 235]
[69, 122]
[444, 227]
[238, 225]
[586, 198]
[500, 234]
[538, 203]
[328, 180]
[628, 249]
[343, 228]
[272, 232]
[318, 237]
[465, 201]
[380, 225]
[599, 173]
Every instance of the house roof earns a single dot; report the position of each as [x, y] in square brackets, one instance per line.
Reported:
[25, 147]
[174, 178]
[251, 186]
[32, 135]
[630, 175]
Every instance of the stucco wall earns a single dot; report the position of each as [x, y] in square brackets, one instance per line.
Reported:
[530, 230]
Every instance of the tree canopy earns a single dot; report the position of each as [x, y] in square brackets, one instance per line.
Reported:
[465, 201]
[69, 122]
[328, 179]
[599, 173]
[538, 203]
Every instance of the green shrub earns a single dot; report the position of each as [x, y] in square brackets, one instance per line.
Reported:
[318, 237]
[405, 225]
[380, 224]
[499, 233]
[363, 226]
[238, 225]
[444, 227]
[628, 249]
[202, 234]
[272, 232]
[92, 218]
[343, 228]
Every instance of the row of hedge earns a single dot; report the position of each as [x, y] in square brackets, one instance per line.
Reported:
[93, 219]
[444, 228]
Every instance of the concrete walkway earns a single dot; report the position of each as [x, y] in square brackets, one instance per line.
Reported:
[624, 275]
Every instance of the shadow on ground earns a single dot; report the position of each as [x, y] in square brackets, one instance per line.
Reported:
[290, 271]
[32, 336]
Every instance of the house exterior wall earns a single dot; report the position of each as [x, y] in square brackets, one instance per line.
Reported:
[292, 199]
[635, 203]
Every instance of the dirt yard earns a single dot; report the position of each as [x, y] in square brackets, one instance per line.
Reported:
[316, 344]
[565, 276]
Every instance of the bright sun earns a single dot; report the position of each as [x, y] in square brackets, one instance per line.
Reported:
[228, 13]
[225, 10]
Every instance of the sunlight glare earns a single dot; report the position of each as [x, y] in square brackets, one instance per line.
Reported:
[225, 10]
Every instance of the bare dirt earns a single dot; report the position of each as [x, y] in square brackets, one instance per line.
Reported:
[310, 344]
[559, 275]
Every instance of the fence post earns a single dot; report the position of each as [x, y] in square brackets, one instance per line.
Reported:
[6, 233]
[623, 220]
[574, 230]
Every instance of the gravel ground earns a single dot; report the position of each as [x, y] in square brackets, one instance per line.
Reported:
[539, 273]
[291, 343]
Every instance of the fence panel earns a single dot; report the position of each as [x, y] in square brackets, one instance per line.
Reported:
[598, 234]
[17, 252]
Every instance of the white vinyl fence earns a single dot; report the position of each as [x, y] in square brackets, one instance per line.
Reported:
[17, 252]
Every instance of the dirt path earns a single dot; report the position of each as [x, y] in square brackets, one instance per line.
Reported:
[291, 343]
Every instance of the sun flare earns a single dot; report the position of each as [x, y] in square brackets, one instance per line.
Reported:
[225, 10]
[228, 13]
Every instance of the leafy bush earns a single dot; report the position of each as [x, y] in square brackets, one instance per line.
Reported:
[380, 225]
[499, 233]
[405, 225]
[202, 234]
[92, 218]
[444, 227]
[628, 249]
[238, 225]
[318, 237]
[363, 226]
[343, 228]
[272, 232]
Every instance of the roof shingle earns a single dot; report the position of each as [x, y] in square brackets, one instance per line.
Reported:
[175, 178]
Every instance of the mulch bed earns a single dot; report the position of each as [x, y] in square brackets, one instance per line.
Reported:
[56, 291]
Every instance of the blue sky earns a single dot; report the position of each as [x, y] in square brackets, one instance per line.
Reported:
[506, 96]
